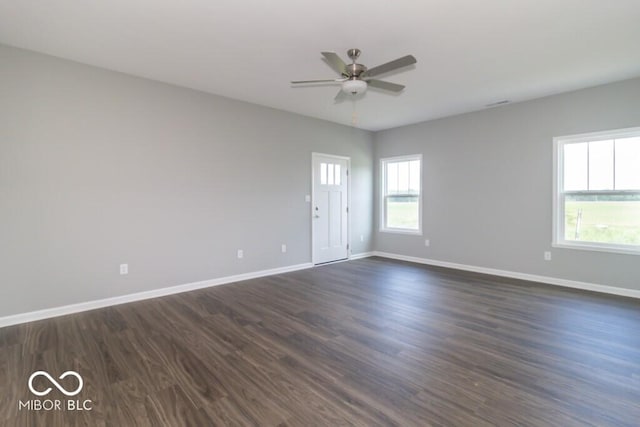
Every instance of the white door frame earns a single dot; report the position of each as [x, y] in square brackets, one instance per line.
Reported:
[313, 201]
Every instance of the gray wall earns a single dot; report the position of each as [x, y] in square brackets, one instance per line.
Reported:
[487, 180]
[98, 168]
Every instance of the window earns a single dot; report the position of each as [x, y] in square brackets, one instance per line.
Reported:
[401, 196]
[597, 191]
[329, 174]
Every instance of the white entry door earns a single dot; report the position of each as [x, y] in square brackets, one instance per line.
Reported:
[330, 208]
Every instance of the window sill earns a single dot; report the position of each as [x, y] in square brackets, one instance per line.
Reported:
[598, 248]
[401, 231]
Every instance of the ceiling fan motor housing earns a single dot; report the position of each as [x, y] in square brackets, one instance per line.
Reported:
[354, 70]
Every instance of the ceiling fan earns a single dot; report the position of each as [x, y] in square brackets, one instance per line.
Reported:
[356, 77]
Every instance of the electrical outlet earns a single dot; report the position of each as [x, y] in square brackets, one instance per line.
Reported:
[307, 198]
[124, 269]
[547, 256]
[240, 254]
[284, 248]
[427, 242]
[362, 238]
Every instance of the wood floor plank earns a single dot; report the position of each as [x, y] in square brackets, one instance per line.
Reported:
[171, 407]
[372, 342]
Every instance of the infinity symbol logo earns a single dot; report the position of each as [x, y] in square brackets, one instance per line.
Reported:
[55, 383]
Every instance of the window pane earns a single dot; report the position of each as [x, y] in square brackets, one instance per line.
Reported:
[601, 165]
[414, 177]
[403, 177]
[402, 212]
[323, 173]
[628, 164]
[604, 219]
[330, 174]
[392, 178]
[337, 171]
[575, 167]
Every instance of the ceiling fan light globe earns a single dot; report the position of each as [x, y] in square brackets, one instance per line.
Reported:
[354, 87]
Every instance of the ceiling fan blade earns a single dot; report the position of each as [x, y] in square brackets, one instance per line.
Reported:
[393, 87]
[340, 96]
[338, 64]
[389, 66]
[317, 81]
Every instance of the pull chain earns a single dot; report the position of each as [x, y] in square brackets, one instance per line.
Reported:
[354, 115]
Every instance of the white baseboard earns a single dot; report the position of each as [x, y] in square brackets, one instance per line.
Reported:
[91, 305]
[360, 255]
[515, 275]
[155, 293]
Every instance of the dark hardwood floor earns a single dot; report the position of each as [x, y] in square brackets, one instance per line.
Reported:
[368, 342]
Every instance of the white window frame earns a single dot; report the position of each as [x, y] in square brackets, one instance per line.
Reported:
[558, 237]
[383, 192]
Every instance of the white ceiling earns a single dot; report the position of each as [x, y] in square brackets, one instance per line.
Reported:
[470, 53]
